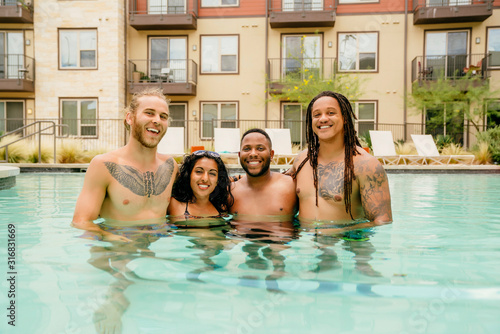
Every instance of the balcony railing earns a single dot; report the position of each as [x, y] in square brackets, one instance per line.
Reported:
[302, 13]
[17, 73]
[448, 11]
[425, 68]
[16, 11]
[175, 76]
[287, 70]
[163, 15]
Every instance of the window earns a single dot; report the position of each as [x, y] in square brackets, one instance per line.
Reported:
[366, 114]
[446, 53]
[294, 119]
[78, 48]
[177, 115]
[166, 6]
[168, 53]
[11, 115]
[217, 115]
[361, 1]
[80, 116]
[358, 52]
[493, 114]
[219, 54]
[301, 5]
[219, 3]
[494, 46]
[302, 55]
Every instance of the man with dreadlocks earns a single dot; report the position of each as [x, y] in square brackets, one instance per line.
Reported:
[335, 178]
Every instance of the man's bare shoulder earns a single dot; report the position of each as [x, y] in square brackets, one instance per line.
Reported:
[365, 163]
[282, 182]
[300, 157]
[166, 157]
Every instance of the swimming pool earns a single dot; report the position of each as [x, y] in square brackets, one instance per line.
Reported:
[434, 270]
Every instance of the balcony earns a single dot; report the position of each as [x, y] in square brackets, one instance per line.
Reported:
[431, 68]
[449, 11]
[163, 15]
[17, 73]
[302, 13]
[15, 11]
[174, 76]
[283, 71]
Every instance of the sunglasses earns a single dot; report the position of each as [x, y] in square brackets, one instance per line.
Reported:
[204, 153]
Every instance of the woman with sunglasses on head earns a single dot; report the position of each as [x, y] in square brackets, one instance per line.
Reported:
[202, 190]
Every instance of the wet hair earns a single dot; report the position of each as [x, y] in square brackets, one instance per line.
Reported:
[221, 198]
[350, 142]
[257, 130]
[134, 103]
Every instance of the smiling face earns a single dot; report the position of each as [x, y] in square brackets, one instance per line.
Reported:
[150, 122]
[204, 177]
[327, 120]
[255, 154]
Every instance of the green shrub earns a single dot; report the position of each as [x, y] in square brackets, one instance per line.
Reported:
[17, 150]
[443, 140]
[492, 138]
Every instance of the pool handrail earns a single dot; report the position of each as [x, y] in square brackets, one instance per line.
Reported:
[52, 126]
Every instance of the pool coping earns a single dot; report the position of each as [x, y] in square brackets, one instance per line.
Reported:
[236, 168]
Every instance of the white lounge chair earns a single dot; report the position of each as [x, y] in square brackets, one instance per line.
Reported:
[227, 142]
[173, 142]
[282, 145]
[426, 148]
[383, 149]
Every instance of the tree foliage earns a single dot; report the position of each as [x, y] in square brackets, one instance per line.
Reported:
[301, 88]
[469, 94]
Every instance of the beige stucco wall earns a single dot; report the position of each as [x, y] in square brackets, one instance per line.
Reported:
[247, 87]
[386, 86]
[107, 82]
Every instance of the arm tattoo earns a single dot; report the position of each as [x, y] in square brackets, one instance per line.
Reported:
[142, 184]
[331, 180]
[373, 195]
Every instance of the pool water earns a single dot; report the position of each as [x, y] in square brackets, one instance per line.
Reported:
[434, 270]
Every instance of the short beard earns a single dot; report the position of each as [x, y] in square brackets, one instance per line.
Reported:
[137, 134]
[263, 170]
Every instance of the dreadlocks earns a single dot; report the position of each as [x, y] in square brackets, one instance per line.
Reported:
[350, 143]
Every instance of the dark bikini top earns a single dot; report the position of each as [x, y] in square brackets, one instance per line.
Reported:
[187, 215]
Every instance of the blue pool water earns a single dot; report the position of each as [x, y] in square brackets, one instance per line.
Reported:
[434, 270]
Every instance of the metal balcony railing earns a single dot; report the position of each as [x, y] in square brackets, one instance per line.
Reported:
[17, 66]
[292, 69]
[159, 7]
[450, 66]
[278, 6]
[163, 70]
[417, 4]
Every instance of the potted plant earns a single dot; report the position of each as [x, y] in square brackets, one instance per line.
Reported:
[136, 76]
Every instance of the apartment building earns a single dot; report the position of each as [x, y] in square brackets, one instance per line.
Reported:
[77, 62]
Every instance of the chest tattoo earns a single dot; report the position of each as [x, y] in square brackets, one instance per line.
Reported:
[143, 184]
[331, 180]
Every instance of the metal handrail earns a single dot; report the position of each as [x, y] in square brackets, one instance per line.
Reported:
[52, 126]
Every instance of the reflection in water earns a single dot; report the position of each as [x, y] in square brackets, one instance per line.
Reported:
[202, 254]
[211, 241]
[113, 259]
[266, 238]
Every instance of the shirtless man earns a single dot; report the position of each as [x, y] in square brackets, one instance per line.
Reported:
[133, 182]
[260, 191]
[335, 178]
